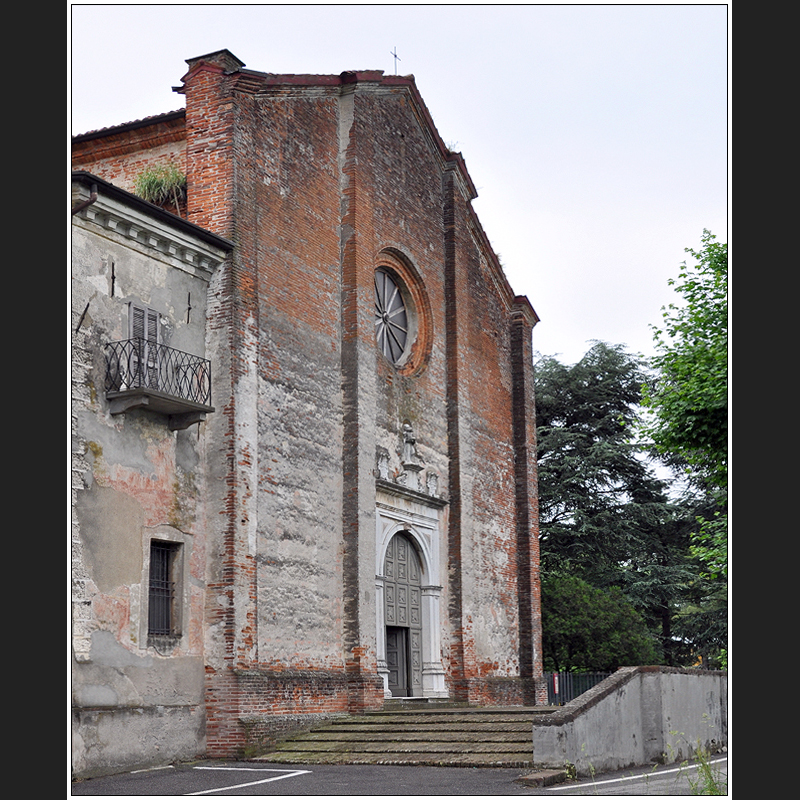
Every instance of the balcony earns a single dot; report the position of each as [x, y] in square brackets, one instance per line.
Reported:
[143, 374]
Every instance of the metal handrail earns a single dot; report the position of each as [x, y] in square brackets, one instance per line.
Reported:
[134, 364]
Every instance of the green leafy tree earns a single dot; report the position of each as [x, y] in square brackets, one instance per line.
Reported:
[688, 424]
[689, 399]
[590, 629]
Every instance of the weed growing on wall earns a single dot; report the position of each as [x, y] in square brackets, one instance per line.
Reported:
[161, 183]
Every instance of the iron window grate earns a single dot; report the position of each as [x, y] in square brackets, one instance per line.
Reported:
[161, 614]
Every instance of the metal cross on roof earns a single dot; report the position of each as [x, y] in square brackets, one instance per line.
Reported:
[396, 59]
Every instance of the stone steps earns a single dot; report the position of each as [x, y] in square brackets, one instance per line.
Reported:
[424, 736]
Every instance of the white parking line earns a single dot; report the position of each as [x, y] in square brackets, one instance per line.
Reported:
[655, 774]
[286, 774]
[151, 769]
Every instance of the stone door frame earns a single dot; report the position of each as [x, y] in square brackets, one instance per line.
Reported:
[401, 511]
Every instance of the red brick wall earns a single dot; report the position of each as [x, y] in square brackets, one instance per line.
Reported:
[122, 154]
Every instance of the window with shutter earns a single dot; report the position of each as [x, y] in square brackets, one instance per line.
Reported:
[144, 332]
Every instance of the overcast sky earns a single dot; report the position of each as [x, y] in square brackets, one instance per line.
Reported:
[596, 135]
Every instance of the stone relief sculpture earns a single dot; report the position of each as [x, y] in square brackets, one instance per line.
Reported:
[383, 464]
[410, 455]
[410, 471]
[432, 484]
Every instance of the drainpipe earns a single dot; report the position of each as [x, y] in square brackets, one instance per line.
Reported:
[92, 199]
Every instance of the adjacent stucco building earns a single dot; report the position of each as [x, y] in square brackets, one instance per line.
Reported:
[355, 502]
[140, 393]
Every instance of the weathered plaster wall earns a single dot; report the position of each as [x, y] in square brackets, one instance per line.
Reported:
[291, 174]
[133, 480]
[637, 716]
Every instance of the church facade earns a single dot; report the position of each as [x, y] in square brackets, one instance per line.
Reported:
[364, 519]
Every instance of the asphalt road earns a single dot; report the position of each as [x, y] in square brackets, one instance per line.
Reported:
[219, 779]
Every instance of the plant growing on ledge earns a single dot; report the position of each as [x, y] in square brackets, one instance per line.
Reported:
[161, 184]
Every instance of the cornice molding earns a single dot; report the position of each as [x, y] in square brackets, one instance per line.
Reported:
[112, 217]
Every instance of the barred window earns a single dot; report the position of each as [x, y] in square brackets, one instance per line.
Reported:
[162, 613]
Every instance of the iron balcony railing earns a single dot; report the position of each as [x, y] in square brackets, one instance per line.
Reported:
[138, 364]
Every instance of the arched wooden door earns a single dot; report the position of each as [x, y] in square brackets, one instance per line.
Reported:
[403, 616]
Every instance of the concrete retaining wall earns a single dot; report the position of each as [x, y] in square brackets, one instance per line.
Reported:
[639, 715]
